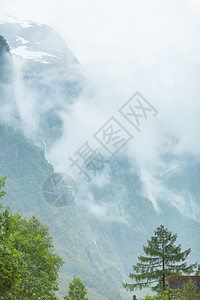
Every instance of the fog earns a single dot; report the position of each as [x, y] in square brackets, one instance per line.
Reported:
[123, 47]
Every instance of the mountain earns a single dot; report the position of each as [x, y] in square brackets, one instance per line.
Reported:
[38, 44]
[75, 238]
[100, 234]
[47, 74]
[27, 169]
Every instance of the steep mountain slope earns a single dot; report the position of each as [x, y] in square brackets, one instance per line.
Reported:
[47, 75]
[26, 170]
[98, 247]
[74, 233]
[100, 251]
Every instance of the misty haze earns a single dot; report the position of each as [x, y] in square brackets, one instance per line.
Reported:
[99, 150]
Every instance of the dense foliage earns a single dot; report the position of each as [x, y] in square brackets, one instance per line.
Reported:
[189, 292]
[29, 266]
[11, 267]
[31, 238]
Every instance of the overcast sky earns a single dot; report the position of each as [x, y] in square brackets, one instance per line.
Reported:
[119, 28]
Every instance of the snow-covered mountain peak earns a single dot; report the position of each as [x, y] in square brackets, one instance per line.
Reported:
[35, 43]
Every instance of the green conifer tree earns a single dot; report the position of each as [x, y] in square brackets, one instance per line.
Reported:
[163, 259]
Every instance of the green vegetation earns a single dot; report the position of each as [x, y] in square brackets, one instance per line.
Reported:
[189, 292]
[29, 266]
[77, 290]
[31, 238]
[164, 259]
[26, 169]
[11, 267]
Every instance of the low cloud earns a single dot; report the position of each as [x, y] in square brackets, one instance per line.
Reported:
[124, 47]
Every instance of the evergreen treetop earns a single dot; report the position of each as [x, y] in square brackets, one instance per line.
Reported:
[163, 259]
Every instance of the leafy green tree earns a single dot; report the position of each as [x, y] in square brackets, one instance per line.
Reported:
[163, 259]
[190, 291]
[77, 290]
[31, 238]
[29, 267]
[170, 294]
[11, 267]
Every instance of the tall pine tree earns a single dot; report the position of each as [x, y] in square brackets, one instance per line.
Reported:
[163, 259]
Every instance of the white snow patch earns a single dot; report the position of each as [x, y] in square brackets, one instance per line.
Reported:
[37, 43]
[26, 25]
[22, 40]
[95, 242]
[35, 55]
